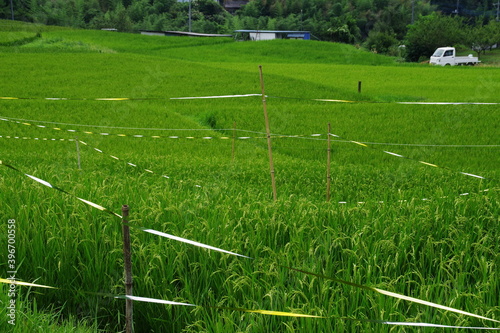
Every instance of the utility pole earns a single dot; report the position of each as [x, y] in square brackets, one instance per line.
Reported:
[412, 11]
[456, 10]
[189, 15]
[498, 8]
[301, 19]
[12, 10]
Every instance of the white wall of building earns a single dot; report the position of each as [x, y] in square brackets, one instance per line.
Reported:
[262, 35]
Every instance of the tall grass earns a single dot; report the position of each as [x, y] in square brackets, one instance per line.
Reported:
[32, 319]
[444, 250]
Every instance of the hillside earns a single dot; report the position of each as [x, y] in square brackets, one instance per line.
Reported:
[381, 26]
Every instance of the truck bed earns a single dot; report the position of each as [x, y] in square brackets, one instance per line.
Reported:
[466, 60]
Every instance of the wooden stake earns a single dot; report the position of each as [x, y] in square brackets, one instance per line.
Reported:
[328, 159]
[268, 132]
[234, 138]
[78, 153]
[127, 259]
[359, 87]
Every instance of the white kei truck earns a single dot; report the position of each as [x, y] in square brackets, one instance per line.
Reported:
[445, 56]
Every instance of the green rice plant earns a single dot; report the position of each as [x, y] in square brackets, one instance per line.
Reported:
[383, 233]
[10, 38]
[30, 317]
[58, 44]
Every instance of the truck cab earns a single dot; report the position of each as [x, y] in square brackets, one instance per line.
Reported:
[446, 56]
[443, 56]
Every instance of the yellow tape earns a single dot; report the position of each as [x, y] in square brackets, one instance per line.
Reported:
[112, 99]
[263, 312]
[244, 95]
[279, 313]
[391, 294]
[359, 143]
[430, 164]
[20, 283]
[29, 138]
[152, 136]
[160, 301]
[119, 159]
[334, 100]
[397, 155]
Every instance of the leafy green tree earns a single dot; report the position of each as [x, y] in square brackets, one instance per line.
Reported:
[433, 31]
[91, 10]
[483, 37]
[139, 10]
[251, 9]
[106, 5]
[162, 6]
[22, 10]
[5, 10]
[344, 29]
[120, 19]
[380, 42]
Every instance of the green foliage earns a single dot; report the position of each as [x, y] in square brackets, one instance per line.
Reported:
[483, 37]
[372, 22]
[380, 42]
[9, 38]
[347, 22]
[431, 32]
[344, 30]
[29, 318]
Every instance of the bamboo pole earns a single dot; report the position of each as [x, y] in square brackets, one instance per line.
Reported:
[78, 153]
[234, 139]
[127, 259]
[268, 133]
[328, 163]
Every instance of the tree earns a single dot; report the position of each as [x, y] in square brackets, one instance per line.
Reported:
[433, 31]
[138, 10]
[121, 20]
[380, 42]
[344, 29]
[483, 37]
[22, 10]
[5, 10]
[91, 10]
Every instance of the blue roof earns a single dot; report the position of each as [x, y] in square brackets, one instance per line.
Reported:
[297, 35]
[275, 31]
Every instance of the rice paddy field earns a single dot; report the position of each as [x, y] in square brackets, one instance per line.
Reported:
[414, 209]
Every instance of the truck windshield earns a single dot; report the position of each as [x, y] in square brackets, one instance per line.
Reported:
[438, 53]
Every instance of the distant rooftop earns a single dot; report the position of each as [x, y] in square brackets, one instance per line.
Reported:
[181, 33]
[233, 5]
[273, 34]
[275, 31]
